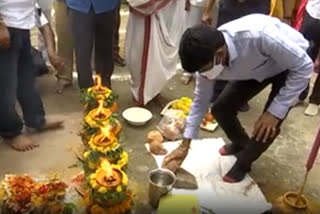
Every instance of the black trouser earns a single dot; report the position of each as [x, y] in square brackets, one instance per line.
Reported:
[93, 30]
[225, 111]
[310, 28]
[17, 82]
[116, 47]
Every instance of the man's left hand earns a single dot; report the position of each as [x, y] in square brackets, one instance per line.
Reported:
[57, 62]
[265, 127]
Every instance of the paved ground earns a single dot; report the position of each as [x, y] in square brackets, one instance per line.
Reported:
[280, 169]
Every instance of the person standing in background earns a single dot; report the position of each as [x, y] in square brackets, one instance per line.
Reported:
[310, 29]
[194, 15]
[17, 75]
[46, 6]
[153, 34]
[65, 46]
[93, 23]
[299, 14]
[46, 31]
[118, 60]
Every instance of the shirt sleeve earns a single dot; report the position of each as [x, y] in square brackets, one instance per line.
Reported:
[41, 20]
[292, 57]
[203, 93]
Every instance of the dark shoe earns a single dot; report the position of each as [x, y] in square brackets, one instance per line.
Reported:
[235, 175]
[244, 108]
[119, 61]
[229, 149]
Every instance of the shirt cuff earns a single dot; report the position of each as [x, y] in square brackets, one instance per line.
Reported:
[191, 133]
[278, 110]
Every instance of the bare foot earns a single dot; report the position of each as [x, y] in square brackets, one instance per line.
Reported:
[61, 85]
[22, 143]
[52, 124]
[49, 125]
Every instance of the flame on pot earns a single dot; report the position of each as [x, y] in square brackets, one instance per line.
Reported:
[105, 137]
[106, 166]
[99, 88]
[102, 113]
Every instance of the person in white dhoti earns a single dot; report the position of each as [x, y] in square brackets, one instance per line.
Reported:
[153, 34]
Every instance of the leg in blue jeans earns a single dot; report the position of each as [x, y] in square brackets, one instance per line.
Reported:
[28, 97]
[17, 77]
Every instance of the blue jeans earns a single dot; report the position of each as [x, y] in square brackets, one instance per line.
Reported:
[17, 82]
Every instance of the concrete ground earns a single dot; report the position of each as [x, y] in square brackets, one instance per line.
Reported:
[279, 170]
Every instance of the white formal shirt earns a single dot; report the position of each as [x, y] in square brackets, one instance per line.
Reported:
[313, 8]
[259, 47]
[21, 14]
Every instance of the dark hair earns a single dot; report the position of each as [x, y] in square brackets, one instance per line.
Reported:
[198, 46]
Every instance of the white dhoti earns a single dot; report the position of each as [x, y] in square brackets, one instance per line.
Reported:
[194, 16]
[196, 11]
[153, 35]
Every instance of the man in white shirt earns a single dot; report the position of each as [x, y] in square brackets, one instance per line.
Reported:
[255, 51]
[310, 28]
[17, 75]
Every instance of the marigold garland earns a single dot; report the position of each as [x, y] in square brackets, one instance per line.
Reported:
[100, 136]
[22, 194]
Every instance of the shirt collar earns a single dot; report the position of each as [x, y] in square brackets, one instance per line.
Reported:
[233, 54]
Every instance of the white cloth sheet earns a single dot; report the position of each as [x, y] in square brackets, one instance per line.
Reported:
[206, 164]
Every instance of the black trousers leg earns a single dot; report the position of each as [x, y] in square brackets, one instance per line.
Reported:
[310, 28]
[82, 26]
[105, 24]
[116, 47]
[225, 111]
[218, 88]
[255, 149]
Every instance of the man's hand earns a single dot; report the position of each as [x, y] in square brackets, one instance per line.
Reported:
[265, 127]
[207, 18]
[4, 36]
[57, 62]
[174, 160]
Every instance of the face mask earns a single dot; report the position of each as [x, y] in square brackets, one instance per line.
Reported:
[213, 72]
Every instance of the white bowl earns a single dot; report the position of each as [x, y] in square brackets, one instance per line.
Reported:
[137, 116]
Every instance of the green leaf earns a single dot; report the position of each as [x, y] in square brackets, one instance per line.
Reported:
[94, 156]
[69, 208]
